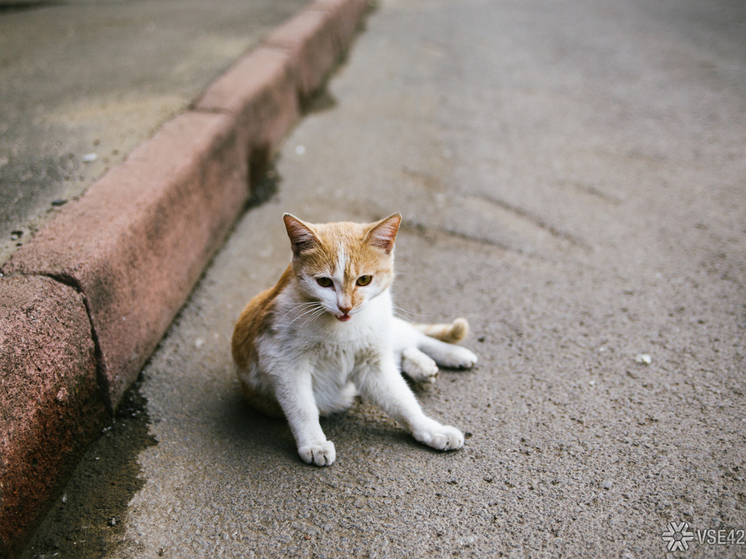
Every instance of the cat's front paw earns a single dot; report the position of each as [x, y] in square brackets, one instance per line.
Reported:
[319, 454]
[440, 437]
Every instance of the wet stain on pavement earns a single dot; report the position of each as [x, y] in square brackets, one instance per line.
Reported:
[87, 520]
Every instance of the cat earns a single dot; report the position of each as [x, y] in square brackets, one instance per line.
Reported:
[326, 332]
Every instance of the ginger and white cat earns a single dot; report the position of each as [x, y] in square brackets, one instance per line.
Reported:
[326, 333]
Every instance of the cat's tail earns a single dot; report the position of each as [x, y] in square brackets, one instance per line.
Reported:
[450, 333]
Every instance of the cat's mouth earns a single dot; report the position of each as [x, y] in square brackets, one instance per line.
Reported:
[343, 318]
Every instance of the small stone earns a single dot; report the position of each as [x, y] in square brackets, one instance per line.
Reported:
[62, 395]
[89, 158]
[608, 484]
[643, 359]
[112, 521]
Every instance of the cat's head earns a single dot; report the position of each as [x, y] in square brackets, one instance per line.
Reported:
[345, 265]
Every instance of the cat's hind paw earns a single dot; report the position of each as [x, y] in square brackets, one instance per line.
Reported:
[440, 437]
[419, 366]
[319, 454]
[459, 358]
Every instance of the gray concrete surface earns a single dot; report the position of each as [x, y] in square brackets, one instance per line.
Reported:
[571, 176]
[95, 78]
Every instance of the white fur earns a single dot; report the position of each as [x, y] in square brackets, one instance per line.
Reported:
[418, 353]
[315, 365]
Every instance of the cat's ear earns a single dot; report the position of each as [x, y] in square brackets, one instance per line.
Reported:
[382, 234]
[301, 235]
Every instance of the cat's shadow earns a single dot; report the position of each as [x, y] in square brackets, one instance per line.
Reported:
[254, 434]
[262, 440]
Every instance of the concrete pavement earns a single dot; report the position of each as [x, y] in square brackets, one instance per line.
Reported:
[571, 179]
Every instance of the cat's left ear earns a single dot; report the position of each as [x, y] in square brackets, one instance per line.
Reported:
[383, 233]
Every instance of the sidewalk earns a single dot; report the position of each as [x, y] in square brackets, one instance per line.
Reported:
[82, 84]
[570, 174]
[119, 91]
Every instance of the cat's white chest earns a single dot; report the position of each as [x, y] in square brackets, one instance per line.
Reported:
[333, 369]
[348, 347]
[335, 362]
[346, 350]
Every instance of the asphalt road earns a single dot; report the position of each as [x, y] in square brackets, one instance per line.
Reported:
[571, 176]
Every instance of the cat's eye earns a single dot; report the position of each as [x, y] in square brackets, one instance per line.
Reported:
[364, 280]
[324, 282]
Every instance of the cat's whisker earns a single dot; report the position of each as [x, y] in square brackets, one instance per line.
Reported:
[408, 315]
[300, 305]
[304, 313]
[305, 304]
[313, 316]
[404, 317]
[318, 308]
[402, 309]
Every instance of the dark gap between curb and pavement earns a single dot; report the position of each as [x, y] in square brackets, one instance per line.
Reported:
[85, 302]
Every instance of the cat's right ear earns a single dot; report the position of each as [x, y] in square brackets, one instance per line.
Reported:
[302, 238]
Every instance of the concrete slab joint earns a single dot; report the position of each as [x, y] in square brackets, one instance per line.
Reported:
[84, 304]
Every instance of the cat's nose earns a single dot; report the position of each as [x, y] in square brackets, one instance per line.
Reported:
[345, 310]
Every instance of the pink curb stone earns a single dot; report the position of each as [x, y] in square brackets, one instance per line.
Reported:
[259, 92]
[312, 45]
[347, 16]
[50, 402]
[138, 240]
